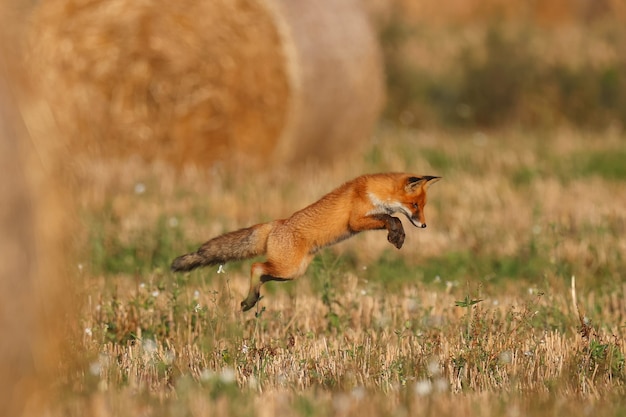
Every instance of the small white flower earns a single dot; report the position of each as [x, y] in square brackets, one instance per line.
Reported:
[95, 368]
[221, 270]
[155, 293]
[88, 331]
[206, 374]
[140, 188]
[227, 376]
[196, 294]
[169, 357]
[423, 387]
[383, 320]
[149, 346]
[281, 379]
[197, 308]
[433, 367]
[480, 139]
[506, 356]
[358, 393]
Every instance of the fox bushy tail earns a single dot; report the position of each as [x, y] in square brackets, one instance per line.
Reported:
[232, 246]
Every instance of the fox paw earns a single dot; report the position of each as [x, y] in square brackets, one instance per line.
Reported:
[249, 302]
[396, 232]
[396, 238]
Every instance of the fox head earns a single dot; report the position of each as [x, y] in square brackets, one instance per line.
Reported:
[414, 199]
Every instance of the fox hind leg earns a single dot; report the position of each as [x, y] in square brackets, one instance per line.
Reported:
[270, 271]
[258, 271]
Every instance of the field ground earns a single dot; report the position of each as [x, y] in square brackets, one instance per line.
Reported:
[476, 315]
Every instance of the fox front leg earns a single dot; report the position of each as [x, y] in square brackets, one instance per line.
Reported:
[395, 234]
[395, 231]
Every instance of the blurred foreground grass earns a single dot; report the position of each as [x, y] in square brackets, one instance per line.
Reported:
[474, 316]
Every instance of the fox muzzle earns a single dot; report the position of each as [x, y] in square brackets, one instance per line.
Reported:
[416, 222]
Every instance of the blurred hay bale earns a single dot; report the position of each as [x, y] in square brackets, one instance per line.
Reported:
[205, 81]
[33, 242]
[184, 81]
[335, 66]
[17, 274]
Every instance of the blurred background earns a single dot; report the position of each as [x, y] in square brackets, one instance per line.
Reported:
[248, 87]
[496, 64]
[268, 82]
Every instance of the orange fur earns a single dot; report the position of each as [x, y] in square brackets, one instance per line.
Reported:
[365, 203]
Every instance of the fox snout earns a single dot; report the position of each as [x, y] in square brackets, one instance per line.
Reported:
[419, 224]
[416, 221]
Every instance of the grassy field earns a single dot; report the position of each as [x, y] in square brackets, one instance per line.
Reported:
[478, 314]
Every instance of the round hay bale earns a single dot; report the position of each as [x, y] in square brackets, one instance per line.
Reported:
[336, 73]
[205, 81]
[184, 81]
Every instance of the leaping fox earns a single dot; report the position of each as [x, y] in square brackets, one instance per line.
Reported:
[364, 203]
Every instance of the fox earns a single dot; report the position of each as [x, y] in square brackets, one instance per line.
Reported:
[367, 202]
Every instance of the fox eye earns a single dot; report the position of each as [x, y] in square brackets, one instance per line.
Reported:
[415, 206]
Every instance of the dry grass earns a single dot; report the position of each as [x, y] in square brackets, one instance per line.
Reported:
[474, 316]
[367, 329]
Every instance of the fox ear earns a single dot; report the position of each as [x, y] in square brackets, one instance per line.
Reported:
[430, 180]
[414, 183]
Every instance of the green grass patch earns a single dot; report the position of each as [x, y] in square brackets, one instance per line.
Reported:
[146, 249]
[606, 164]
[525, 175]
[394, 271]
